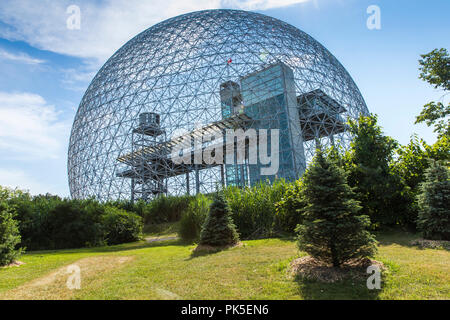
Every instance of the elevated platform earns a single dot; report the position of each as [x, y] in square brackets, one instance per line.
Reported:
[155, 162]
[320, 115]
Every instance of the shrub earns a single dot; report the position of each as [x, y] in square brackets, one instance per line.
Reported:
[434, 203]
[121, 226]
[35, 223]
[254, 209]
[48, 222]
[75, 224]
[383, 195]
[139, 207]
[166, 209]
[289, 210]
[332, 231]
[411, 164]
[219, 229]
[9, 235]
[193, 218]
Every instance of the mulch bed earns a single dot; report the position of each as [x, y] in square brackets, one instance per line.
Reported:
[313, 269]
[207, 249]
[431, 244]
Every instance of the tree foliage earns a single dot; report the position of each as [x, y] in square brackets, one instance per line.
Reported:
[332, 231]
[414, 158]
[121, 226]
[9, 235]
[412, 161]
[48, 222]
[383, 195]
[289, 210]
[435, 69]
[219, 229]
[434, 203]
[193, 218]
[254, 209]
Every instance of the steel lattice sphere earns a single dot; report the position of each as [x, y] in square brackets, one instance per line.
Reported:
[197, 69]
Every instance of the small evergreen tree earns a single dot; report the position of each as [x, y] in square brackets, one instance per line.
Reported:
[9, 235]
[434, 203]
[332, 230]
[219, 229]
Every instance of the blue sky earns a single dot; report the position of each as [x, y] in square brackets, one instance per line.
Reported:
[45, 67]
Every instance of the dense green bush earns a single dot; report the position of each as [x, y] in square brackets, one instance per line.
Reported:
[434, 203]
[9, 235]
[76, 224]
[384, 196]
[163, 209]
[290, 209]
[35, 224]
[332, 231]
[121, 226]
[413, 160]
[139, 207]
[48, 222]
[254, 209]
[193, 218]
[166, 209]
[219, 229]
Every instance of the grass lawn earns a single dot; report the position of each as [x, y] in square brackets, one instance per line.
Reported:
[258, 270]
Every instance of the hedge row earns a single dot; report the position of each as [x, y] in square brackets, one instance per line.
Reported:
[49, 222]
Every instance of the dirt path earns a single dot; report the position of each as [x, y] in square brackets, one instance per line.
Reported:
[150, 240]
[62, 284]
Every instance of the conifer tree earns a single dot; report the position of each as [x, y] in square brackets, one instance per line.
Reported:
[333, 231]
[434, 203]
[219, 229]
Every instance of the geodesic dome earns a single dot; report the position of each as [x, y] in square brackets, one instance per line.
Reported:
[180, 73]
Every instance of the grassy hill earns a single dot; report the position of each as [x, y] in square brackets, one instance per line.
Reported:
[167, 270]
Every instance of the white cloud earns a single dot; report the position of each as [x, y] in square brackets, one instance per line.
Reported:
[30, 128]
[105, 25]
[78, 80]
[19, 57]
[21, 180]
[260, 4]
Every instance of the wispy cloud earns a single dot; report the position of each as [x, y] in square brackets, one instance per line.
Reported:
[19, 57]
[21, 180]
[78, 80]
[260, 4]
[30, 128]
[105, 25]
